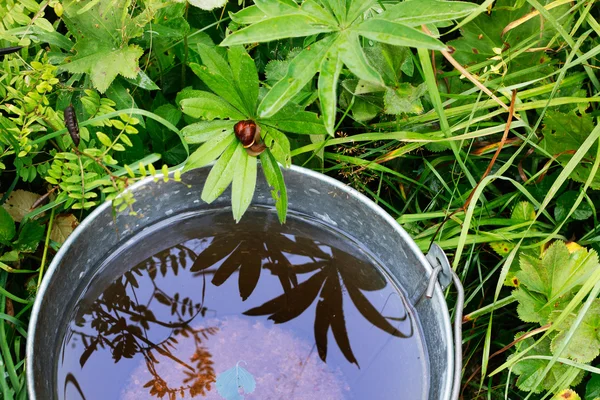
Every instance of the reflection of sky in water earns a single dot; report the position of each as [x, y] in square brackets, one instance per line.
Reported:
[283, 365]
[388, 365]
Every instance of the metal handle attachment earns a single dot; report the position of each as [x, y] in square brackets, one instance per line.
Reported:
[444, 274]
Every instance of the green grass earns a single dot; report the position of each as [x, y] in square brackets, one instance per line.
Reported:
[425, 169]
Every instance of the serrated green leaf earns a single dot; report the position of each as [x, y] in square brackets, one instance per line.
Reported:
[275, 28]
[209, 106]
[482, 37]
[354, 58]
[546, 284]
[427, 11]
[245, 76]
[404, 99]
[209, 151]
[278, 144]
[7, 226]
[530, 370]
[203, 131]
[221, 174]
[396, 34]
[274, 178]
[30, 235]
[564, 204]
[328, 83]
[584, 345]
[566, 132]
[502, 248]
[523, 212]
[103, 63]
[390, 61]
[301, 71]
[244, 184]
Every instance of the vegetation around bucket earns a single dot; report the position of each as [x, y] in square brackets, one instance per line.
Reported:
[473, 124]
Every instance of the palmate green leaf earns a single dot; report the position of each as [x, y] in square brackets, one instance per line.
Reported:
[274, 177]
[203, 131]
[301, 71]
[275, 28]
[277, 7]
[564, 133]
[245, 76]
[419, 12]
[329, 73]
[357, 8]
[343, 22]
[209, 106]
[224, 88]
[244, 184]
[278, 144]
[103, 63]
[302, 122]
[396, 34]
[248, 15]
[221, 174]
[354, 58]
[584, 346]
[530, 370]
[103, 30]
[547, 284]
[209, 151]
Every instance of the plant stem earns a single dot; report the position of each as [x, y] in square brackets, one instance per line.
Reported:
[46, 248]
[489, 308]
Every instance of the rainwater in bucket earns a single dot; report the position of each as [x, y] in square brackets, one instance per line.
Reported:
[179, 301]
[200, 307]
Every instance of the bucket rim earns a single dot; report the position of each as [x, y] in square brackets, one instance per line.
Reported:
[81, 228]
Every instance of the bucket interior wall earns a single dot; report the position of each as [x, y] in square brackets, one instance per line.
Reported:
[310, 194]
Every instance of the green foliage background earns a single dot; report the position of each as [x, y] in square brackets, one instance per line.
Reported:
[384, 95]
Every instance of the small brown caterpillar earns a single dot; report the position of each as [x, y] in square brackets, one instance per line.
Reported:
[71, 124]
[9, 50]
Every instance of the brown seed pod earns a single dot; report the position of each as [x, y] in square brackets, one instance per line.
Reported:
[248, 132]
[71, 124]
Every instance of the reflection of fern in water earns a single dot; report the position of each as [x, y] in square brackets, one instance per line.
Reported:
[121, 324]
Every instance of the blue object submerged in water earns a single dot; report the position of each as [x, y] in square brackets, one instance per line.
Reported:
[235, 380]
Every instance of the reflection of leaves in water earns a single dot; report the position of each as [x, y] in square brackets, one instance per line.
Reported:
[121, 325]
[333, 272]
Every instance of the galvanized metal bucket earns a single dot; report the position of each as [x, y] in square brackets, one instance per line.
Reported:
[422, 277]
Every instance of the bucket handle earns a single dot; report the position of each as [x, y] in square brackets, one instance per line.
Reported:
[444, 275]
